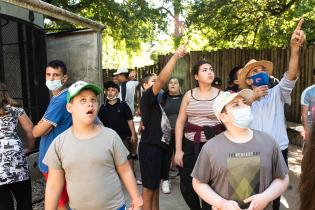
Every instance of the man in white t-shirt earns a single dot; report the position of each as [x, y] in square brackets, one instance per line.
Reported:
[127, 88]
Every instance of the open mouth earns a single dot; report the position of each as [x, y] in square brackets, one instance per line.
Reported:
[90, 112]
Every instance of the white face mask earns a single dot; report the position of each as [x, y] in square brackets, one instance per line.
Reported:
[111, 99]
[243, 117]
[53, 84]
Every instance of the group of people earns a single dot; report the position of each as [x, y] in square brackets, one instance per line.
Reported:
[230, 148]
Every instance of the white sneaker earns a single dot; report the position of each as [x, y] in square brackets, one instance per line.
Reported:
[166, 187]
[139, 182]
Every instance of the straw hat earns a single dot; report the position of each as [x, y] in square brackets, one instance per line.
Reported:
[242, 76]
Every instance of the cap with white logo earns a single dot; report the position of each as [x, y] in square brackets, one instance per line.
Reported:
[77, 87]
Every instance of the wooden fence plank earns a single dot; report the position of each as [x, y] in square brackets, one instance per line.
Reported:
[224, 60]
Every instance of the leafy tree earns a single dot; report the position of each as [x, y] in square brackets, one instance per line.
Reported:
[208, 24]
[129, 23]
[250, 23]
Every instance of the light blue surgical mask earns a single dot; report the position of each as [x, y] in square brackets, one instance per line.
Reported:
[243, 117]
[53, 84]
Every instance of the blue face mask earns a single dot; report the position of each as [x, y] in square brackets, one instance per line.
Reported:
[243, 117]
[260, 79]
[53, 85]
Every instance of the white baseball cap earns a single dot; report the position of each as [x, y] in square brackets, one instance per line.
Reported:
[121, 70]
[226, 97]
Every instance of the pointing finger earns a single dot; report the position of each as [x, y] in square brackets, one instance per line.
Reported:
[185, 44]
[299, 25]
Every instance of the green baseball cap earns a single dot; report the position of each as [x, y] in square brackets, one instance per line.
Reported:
[77, 87]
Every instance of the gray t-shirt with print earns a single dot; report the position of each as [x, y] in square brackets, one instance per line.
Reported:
[89, 166]
[238, 170]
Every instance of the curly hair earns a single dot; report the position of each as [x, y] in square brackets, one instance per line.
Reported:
[5, 100]
[307, 182]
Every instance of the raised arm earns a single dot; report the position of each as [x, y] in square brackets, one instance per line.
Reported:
[167, 70]
[296, 42]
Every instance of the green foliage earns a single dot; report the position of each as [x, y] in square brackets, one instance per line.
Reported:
[129, 23]
[210, 24]
[250, 23]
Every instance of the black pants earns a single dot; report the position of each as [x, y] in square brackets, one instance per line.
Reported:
[276, 203]
[171, 151]
[186, 188]
[22, 193]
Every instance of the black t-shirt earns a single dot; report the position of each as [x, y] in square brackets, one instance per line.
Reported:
[116, 117]
[171, 107]
[151, 116]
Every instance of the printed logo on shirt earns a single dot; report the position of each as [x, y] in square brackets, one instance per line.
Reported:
[243, 176]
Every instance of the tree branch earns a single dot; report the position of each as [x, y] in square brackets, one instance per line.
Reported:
[168, 11]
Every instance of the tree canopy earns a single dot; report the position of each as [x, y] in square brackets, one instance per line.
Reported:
[250, 23]
[207, 24]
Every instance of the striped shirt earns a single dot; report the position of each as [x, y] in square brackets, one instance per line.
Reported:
[201, 113]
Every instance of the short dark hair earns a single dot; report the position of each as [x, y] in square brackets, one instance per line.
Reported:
[55, 64]
[146, 78]
[233, 74]
[111, 84]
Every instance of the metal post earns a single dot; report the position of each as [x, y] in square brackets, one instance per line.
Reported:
[24, 77]
[1, 54]
[99, 66]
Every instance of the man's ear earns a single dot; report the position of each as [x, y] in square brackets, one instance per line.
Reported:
[249, 82]
[65, 78]
[145, 85]
[69, 107]
[223, 117]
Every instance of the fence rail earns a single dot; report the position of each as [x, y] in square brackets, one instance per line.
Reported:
[224, 60]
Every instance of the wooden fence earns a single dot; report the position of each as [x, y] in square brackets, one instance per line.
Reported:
[224, 60]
